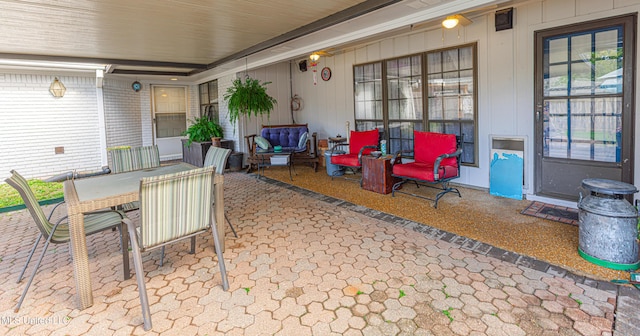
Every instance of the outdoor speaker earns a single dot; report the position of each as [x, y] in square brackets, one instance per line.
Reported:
[302, 65]
[504, 19]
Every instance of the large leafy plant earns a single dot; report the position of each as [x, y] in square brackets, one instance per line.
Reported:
[247, 98]
[203, 129]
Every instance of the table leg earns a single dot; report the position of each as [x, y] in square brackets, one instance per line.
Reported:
[80, 257]
[124, 237]
[290, 166]
[218, 199]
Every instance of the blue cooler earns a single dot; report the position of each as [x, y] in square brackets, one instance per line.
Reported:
[333, 170]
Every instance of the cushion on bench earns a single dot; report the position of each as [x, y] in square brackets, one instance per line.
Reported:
[287, 137]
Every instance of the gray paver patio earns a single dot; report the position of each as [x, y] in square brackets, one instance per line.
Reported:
[303, 266]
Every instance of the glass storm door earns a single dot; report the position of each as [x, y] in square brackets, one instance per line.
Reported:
[170, 120]
[584, 105]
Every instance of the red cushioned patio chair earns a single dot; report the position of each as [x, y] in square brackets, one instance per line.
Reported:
[437, 161]
[360, 143]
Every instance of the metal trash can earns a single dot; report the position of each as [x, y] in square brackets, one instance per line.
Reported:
[608, 228]
[333, 170]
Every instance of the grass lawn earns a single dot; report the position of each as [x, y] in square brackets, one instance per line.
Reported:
[42, 190]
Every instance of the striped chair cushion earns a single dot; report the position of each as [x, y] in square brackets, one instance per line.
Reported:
[175, 205]
[93, 222]
[122, 160]
[147, 156]
[128, 159]
[125, 160]
[217, 157]
[31, 202]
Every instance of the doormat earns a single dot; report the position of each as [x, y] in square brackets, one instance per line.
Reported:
[552, 212]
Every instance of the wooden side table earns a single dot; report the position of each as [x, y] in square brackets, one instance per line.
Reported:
[376, 174]
[336, 141]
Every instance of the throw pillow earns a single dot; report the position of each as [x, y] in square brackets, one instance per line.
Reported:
[302, 143]
[262, 142]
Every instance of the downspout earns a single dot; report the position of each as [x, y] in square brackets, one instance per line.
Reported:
[293, 120]
[102, 131]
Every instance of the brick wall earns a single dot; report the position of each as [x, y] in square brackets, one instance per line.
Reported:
[123, 113]
[230, 132]
[33, 123]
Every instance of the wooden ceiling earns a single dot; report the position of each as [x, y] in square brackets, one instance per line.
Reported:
[178, 37]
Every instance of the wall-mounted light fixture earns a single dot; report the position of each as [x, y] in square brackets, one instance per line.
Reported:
[314, 62]
[450, 22]
[57, 89]
[453, 21]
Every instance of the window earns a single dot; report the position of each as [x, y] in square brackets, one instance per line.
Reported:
[391, 96]
[404, 102]
[451, 82]
[582, 92]
[368, 96]
[170, 111]
[209, 99]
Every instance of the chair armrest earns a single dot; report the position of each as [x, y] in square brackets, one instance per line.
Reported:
[122, 215]
[336, 146]
[251, 143]
[362, 151]
[397, 157]
[436, 164]
[54, 209]
[314, 149]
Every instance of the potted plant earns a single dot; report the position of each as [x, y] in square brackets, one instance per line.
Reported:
[203, 129]
[248, 97]
[199, 137]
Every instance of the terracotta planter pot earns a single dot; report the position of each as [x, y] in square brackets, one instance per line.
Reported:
[215, 142]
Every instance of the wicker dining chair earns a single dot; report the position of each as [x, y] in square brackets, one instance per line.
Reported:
[58, 233]
[173, 207]
[218, 157]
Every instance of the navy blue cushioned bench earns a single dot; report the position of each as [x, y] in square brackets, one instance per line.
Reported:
[288, 137]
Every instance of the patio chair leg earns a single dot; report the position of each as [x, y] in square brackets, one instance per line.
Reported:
[162, 256]
[124, 246]
[231, 225]
[445, 190]
[142, 287]
[193, 245]
[35, 270]
[396, 186]
[216, 242]
[33, 249]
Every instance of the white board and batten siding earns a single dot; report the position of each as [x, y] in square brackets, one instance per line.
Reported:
[505, 74]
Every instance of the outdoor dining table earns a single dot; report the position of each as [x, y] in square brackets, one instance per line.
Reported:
[90, 194]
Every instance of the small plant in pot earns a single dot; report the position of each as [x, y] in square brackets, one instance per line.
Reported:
[248, 97]
[203, 129]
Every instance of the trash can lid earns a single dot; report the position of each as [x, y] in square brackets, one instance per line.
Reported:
[608, 187]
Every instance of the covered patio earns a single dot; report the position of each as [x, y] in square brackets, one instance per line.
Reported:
[308, 263]
[316, 256]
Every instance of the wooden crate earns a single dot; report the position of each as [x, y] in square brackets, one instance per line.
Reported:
[376, 174]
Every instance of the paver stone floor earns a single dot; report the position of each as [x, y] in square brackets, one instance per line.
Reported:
[301, 266]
